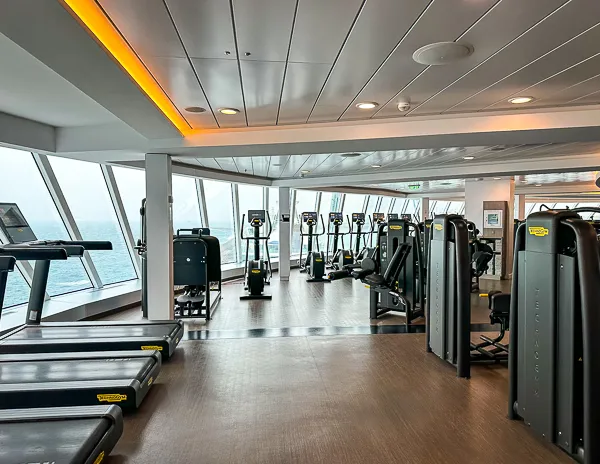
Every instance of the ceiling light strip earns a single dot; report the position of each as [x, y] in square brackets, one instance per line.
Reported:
[103, 30]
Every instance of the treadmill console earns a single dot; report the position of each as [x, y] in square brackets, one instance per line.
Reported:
[392, 216]
[358, 218]
[407, 217]
[336, 218]
[309, 217]
[378, 218]
[13, 224]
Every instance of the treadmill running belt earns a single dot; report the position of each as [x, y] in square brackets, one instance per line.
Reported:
[60, 441]
[52, 333]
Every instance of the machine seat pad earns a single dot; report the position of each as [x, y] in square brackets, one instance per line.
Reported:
[376, 280]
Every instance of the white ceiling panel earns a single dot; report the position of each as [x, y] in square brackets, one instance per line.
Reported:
[518, 83]
[505, 24]
[277, 165]
[314, 161]
[578, 90]
[263, 28]
[294, 165]
[221, 82]
[227, 164]
[178, 79]
[208, 163]
[262, 88]
[146, 25]
[260, 165]
[379, 28]
[567, 22]
[444, 20]
[592, 98]
[320, 29]
[303, 82]
[204, 26]
[244, 164]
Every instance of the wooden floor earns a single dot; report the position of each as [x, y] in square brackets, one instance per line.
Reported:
[326, 399]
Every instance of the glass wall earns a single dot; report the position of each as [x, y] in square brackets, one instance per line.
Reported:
[413, 207]
[274, 214]
[456, 207]
[93, 211]
[22, 183]
[17, 289]
[353, 204]
[438, 207]
[132, 188]
[249, 197]
[384, 206]
[372, 207]
[399, 205]
[305, 201]
[219, 206]
[186, 209]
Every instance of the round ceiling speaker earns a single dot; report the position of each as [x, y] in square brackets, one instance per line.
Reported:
[441, 53]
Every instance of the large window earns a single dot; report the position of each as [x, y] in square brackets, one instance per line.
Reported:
[439, 207]
[413, 207]
[372, 207]
[399, 206]
[89, 201]
[274, 214]
[17, 290]
[186, 211]
[21, 183]
[353, 204]
[305, 201]
[132, 188]
[219, 205]
[384, 206]
[249, 197]
[456, 207]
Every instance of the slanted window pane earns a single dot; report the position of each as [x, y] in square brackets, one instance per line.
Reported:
[353, 204]
[274, 213]
[186, 212]
[439, 208]
[455, 207]
[250, 197]
[385, 205]
[17, 290]
[306, 201]
[219, 205]
[132, 188]
[413, 207]
[399, 205]
[88, 198]
[22, 183]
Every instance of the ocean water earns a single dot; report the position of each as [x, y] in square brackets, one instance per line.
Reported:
[113, 266]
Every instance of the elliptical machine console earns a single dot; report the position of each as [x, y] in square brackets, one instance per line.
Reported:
[257, 272]
[314, 265]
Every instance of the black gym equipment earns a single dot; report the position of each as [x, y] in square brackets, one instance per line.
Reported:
[481, 254]
[340, 256]
[36, 336]
[197, 267]
[257, 272]
[448, 320]
[554, 361]
[359, 252]
[314, 265]
[75, 435]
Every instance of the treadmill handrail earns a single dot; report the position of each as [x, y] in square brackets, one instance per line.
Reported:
[25, 252]
[90, 245]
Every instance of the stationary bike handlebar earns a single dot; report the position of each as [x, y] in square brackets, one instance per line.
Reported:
[266, 237]
[314, 234]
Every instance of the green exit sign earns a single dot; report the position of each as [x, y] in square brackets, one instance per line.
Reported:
[414, 187]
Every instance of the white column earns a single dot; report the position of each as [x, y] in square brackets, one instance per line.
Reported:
[520, 210]
[424, 208]
[159, 236]
[284, 233]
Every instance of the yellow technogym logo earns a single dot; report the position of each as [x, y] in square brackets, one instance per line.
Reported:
[538, 231]
[395, 227]
[319, 260]
[111, 398]
[255, 271]
[428, 226]
[150, 380]
[438, 227]
[100, 458]
[152, 347]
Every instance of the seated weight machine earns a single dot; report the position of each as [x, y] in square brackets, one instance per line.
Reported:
[257, 272]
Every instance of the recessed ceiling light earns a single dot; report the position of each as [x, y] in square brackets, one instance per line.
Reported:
[520, 100]
[367, 105]
[376, 165]
[305, 171]
[195, 109]
[229, 111]
[497, 178]
[350, 155]
[468, 157]
[441, 53]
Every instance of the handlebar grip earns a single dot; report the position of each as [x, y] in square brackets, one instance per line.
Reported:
[7, 263]
[337, 275]
[34, 253]
[92, 245]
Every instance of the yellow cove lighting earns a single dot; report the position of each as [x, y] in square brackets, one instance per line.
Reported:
[103, 30]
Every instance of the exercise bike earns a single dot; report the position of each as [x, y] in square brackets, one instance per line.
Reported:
[341, 257]
[257, 272]
[314, 265]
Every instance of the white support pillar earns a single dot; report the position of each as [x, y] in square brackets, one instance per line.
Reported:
[520, 210]
[159, 236]
[284, 233]
[424, 208]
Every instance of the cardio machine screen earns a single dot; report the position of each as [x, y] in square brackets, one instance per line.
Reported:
[379, 217]
[407, 217]
[358, 217]
[257, 214]
[392, 216]
[14, 225]
[311, 215]
[333, 217]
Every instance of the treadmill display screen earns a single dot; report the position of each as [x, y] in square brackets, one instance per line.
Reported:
[11, 216]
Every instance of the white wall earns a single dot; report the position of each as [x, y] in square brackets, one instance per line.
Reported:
[476, 192]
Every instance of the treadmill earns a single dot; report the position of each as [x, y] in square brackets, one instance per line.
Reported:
[83, 435]
[71, 379]
[36, 336]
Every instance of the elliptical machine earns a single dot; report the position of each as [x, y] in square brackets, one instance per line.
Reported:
[257, 272]
[341, 257]
[314, 265]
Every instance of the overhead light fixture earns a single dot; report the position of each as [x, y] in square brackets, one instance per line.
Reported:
[521, 100]
[195, 109]
[229, 111]
[103, 30]
[441, 53]
[468, 158]
[367, 105]
[376, 165]
[305, 171]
